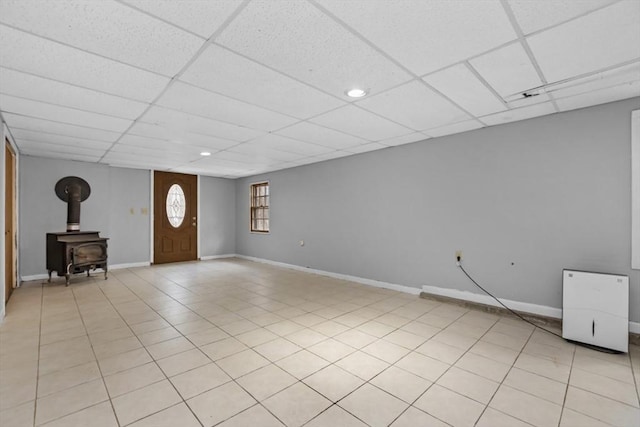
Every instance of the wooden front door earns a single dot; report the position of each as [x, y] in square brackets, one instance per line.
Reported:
[9, 222]
[175, 225]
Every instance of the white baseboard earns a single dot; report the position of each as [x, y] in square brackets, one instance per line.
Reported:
[210, 257]
[369, 282]
[129, 265]
[33, 277]
[540, 310]
[110, 267]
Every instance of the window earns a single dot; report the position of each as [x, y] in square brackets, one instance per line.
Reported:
[260, 207]
[175, 205]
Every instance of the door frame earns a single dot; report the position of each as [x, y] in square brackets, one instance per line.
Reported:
[8, 139]
[152, 214]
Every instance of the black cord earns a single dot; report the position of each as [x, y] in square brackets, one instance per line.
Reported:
[593, 347]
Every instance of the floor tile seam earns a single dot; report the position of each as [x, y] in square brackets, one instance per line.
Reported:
[604, 396]
[113, 410]
[35, 403]
[500, 383]
[597, 374]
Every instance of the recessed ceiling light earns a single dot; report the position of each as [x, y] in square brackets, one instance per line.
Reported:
[356, 93]
[205, 153]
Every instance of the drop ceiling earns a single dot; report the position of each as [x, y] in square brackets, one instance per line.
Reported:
[260, 84]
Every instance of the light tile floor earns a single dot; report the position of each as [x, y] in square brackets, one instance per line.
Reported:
[237, 343]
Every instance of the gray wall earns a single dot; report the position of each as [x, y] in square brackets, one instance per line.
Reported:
[217, 216]
[114, 193]
[522, 201]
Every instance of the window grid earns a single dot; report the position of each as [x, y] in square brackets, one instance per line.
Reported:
[260, 207]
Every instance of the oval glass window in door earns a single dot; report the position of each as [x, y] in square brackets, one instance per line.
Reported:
[176, 205]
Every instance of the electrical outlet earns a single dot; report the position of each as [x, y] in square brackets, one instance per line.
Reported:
[458, 256]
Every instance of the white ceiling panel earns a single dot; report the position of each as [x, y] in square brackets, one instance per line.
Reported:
[310, 132]
[282, 143]
[519, 114]
[600, 39]
[179, 123]
[147, 83]
[255, 152]
[536, 15]
[26, 107]
[201, 17]
[460, 85]
[372, 146]
[149, 153]
[597, 82]
[161, 144]
[58, 155]
[415, 106]
[328, 156]
[508, 70]
[156, 133]
[50, 138]
[296, 38]
[601, 96]
[404, 139]
[420, 34]
[138, 162]
[34, 55]
[455, 128]
[225, 72]
[40, 89]
[107, 28]
[358, 122]
[193, 100]
[44, 148]
[47, 126]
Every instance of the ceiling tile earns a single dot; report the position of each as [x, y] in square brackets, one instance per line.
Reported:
[614, 77]
[519, 114]
[138, 162]
[26, 107]
[58, 155]
[50, 127]
[460, 85]
[328, 156]
[193, 100]
[225, 72]
[164, 145]
[372, 146]
[589, 43]
[455, 128]
[40, 89]
[27, 135]
[610, 94]
[153, 134]
[404, 139]
[358, 122]
[176, 124]
[298, 39]
[45, 148]
[200, 17]
[180, 154]
[282, 143]
[255, 152]
[508, 70]
[24, 52]
[420, 34]
[415, 106]
[310, 132]
[536, 15]
[106, 28]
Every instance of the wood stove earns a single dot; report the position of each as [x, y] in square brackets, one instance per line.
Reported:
[75, 251]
